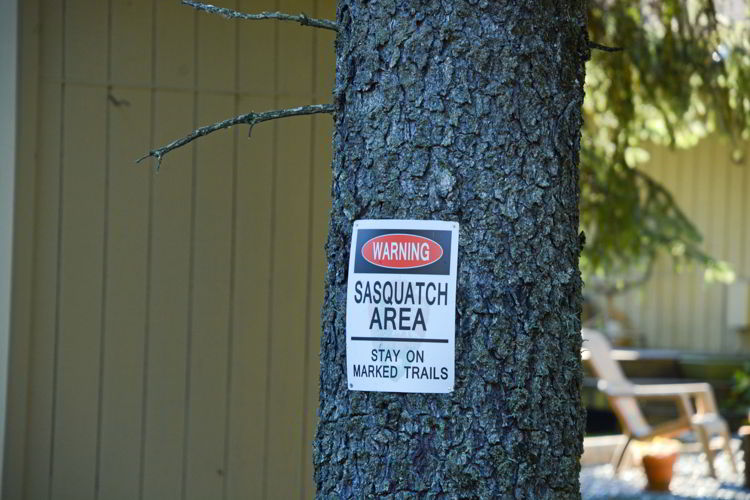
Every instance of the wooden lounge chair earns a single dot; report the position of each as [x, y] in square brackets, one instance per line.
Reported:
[703, 418]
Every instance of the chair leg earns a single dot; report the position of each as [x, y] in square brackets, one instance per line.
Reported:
[620, 454]
[705, 442]
[728, 447]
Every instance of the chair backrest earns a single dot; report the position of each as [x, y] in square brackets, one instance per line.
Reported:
[607, 369]
[602, 364]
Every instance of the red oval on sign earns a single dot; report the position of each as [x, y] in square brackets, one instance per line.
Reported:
[401, 251]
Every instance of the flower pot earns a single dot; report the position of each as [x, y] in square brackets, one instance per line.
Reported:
[659, 470]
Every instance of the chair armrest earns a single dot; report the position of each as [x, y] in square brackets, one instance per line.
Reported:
[703, 393]
[653, 390]
[615, 390]
[680, 393]
[671, 390]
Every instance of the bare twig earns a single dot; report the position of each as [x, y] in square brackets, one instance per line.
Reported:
[605, 48]
[279, 16]
[117, 102]
[249, 119]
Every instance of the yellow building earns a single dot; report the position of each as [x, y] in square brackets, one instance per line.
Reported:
[685, 311]
[164, 327]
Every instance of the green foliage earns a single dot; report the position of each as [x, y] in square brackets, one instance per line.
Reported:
[684, 72]
[739, 395]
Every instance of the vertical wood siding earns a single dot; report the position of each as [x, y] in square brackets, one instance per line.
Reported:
[169, 340]
[682, 310]
[17, 414]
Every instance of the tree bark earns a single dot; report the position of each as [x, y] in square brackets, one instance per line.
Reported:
[467, 111]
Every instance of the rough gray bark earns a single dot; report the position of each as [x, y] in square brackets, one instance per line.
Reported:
[469, 111]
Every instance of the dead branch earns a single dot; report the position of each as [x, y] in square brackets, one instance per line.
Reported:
[249, 119]
[604, 48]
[279, 16]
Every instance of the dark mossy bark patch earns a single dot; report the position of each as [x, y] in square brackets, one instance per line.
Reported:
[466, 111]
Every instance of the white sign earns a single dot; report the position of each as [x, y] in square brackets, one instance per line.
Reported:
[401, 306]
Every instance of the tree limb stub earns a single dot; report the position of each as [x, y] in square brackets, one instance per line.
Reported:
[279, 16]
[605, 48]
[249, 119]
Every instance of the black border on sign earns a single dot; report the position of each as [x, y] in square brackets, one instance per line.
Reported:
[441, 267]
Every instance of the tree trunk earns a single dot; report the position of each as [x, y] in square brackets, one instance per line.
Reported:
[467, 111]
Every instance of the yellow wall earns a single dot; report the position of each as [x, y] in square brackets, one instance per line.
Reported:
[166, 326]
[683, 311]
[8, 98]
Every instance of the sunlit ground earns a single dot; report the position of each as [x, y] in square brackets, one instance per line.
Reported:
[690, 480]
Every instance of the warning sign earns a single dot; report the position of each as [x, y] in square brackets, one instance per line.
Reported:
[401, 306]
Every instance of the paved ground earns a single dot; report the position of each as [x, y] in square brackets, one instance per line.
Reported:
[690, 481]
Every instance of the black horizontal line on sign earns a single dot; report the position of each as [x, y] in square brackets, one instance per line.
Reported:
[401, 339]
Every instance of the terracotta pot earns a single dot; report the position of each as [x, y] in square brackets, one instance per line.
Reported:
[659, 470]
